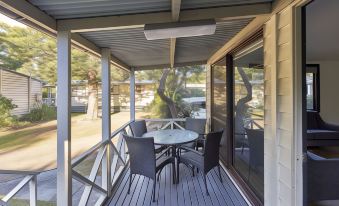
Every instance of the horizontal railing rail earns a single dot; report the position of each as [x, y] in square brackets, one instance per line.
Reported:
[28, 178]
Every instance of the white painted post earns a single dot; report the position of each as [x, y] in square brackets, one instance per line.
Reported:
[64, 170]
[132, 94]
[33, 191]
[106, 116]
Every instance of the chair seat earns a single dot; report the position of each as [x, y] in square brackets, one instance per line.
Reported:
[322, 134]
[192, 158]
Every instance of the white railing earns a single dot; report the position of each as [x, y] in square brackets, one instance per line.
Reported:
[29, 178]
[116, 163]
[115, 151]
[166, 123]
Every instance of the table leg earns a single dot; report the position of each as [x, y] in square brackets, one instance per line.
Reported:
[174, 165]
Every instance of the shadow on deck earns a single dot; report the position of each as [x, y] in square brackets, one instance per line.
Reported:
[189, 191]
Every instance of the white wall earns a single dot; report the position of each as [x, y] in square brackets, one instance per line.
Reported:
[329, 94]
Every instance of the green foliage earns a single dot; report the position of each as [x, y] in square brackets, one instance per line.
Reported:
[6, 105]
[34, 53]
[158, 108]
[175, 89]
[40, 112]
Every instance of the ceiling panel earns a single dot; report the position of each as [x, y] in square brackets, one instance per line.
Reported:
[200, 48]
[192, 4]
[131, 46]
[65, 9]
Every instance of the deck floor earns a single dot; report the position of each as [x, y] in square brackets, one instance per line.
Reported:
[190, 190]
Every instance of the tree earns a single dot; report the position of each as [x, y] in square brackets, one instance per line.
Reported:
[34, 53]
[241, 106]
[92, 105]
[171, 88]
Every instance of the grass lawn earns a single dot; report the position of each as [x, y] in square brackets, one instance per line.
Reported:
[34, 147]
[19, 202]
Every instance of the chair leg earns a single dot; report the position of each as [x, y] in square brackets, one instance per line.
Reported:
[130, 183]
[177, 176]
[154, 184]
[158, 178]
[207, 193]
[173, 169]
[193, 171]
[220, 173]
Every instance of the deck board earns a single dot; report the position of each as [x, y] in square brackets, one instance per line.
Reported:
[189, 192]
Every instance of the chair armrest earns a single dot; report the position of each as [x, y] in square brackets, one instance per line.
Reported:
[162, 153]
[191, 150]
[331, 126]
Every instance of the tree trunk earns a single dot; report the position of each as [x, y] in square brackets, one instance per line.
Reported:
[241, 107]
[92, 104]
[161, 92]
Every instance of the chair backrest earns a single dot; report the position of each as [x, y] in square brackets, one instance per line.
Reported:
[211, 151]
[256, 146]
[196, 125]
[142, 155]
[313, 120]
[138, 128]
[322, 178]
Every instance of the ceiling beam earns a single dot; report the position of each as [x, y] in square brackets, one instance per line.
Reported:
[31, 13]
[34, 17]
[176, 6]
[164, 66]
[110, 22]
[172, 51]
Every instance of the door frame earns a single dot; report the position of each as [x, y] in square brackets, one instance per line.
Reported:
[300, 108]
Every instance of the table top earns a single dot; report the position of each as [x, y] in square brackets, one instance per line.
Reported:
[172, 136]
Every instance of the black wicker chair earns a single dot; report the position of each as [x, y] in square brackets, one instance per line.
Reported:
[206, 160]
[198, 126]
[143, 160]
[139, 128]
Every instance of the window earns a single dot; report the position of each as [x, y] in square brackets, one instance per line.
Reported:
[312, 87]
[248, 107]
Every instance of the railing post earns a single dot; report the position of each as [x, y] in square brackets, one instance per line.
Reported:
[106, 117]
[64, 168]
[33, 191]
[132, 94]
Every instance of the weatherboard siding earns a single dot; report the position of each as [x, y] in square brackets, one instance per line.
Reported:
[16, 87]
[279, 113]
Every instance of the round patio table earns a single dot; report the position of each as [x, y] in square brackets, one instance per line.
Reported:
[172, 138]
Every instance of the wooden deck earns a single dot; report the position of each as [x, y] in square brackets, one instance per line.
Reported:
[190, 190]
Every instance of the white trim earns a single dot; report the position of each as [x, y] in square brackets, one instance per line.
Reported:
[235, 184]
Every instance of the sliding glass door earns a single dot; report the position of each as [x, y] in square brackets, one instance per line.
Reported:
[219, 103]
[248, 107]
[238, 108]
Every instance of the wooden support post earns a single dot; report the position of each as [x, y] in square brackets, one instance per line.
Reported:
[132, 94]
[106, 116]
[64, 170]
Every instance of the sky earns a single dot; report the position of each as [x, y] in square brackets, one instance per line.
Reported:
[10, 21]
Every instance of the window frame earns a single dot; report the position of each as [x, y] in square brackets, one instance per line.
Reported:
[315, 70]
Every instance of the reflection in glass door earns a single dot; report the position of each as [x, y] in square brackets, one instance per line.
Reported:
[219, 103]
[248, 151]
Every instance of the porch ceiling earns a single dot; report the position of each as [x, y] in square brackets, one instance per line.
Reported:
[118, 25]
[66, 9]
[131, 46]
